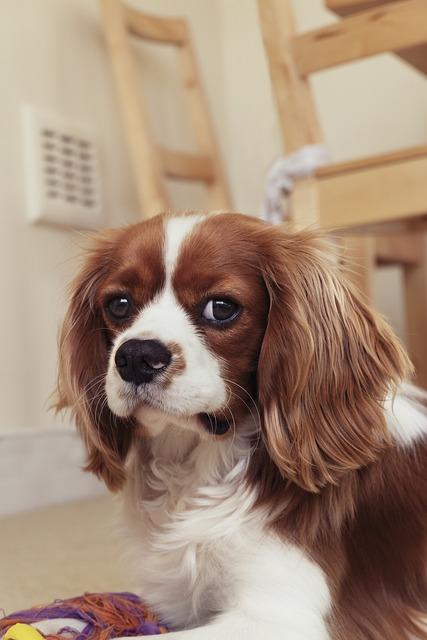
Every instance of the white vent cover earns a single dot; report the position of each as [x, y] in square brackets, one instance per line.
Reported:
[63, 171]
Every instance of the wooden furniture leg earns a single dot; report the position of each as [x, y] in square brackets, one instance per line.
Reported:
[415, 277]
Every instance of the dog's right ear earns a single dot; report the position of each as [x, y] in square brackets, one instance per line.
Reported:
[327, 364]
[83, 362]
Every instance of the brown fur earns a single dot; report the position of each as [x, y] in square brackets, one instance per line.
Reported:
[369, 535]
[176, 366]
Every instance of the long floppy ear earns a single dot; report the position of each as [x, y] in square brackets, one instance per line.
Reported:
[83, 361]
[327, 363]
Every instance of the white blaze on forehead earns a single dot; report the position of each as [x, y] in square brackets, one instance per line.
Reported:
[176, 232]
[199, 387]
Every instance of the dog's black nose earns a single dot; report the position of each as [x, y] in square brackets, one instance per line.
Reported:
[140, 361]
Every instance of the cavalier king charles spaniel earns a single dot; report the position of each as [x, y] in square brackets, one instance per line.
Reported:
[252, 411]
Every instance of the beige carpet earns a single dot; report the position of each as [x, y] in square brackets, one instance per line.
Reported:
[59, 552]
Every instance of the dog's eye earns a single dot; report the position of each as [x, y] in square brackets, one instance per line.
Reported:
[119, 308]
[220, 311]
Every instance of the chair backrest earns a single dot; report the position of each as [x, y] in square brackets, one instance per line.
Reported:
[394, 26]
[152, 163]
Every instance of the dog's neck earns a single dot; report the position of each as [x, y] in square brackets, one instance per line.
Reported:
[174, 445]
[181, 462]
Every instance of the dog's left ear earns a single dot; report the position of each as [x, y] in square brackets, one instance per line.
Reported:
[326, 365]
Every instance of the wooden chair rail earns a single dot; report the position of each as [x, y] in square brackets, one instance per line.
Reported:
[404, 250]
[372, 161]
[157, 29]
[187, 166]
[345, 7]
[392, 27]
[374, 194]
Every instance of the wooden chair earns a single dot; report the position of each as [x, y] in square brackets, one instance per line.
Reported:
[152, 163]
[381, 194]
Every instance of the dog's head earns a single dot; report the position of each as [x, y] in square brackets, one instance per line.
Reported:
[201, 321]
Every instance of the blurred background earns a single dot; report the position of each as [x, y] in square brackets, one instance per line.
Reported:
[65, 86]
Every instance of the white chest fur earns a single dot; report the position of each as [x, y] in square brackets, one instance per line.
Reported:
[187, 514]
[198, 546]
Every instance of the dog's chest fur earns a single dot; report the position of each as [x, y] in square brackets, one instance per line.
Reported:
[190, 524]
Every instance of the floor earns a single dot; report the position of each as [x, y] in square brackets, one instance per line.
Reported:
[59, 552]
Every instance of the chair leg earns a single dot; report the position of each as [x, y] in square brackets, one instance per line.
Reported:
[415, 279]
[303, 203]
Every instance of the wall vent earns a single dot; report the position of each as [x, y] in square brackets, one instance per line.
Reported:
[63, 171]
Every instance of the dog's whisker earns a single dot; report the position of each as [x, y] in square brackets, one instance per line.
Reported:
[256, 418]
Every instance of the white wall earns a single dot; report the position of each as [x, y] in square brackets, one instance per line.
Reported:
[52, 55]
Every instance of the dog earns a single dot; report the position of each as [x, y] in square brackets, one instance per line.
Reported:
[254, 413]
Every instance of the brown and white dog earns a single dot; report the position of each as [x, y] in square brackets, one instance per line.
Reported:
[227, 378]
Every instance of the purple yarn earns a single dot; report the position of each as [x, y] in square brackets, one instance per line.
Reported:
[59, 609]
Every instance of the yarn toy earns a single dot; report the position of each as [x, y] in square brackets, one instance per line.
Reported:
[97, 616]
